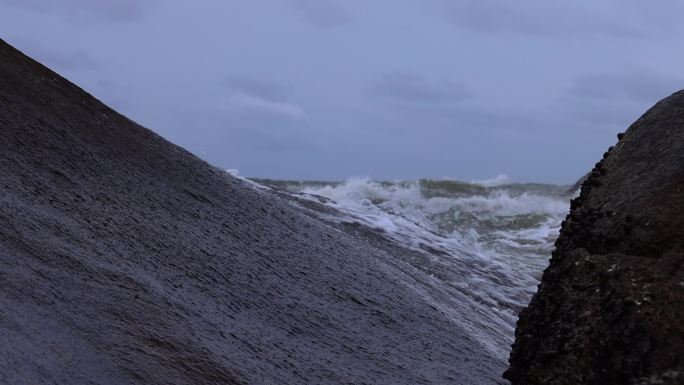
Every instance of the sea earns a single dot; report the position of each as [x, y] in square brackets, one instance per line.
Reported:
[487, 239]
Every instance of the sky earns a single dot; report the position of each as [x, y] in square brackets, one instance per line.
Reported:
[386, 89]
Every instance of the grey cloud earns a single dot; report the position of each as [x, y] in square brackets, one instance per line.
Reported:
[308, 89]
[236, 131]
[59, 59]
[659, 15]
[263, 134]
[322, 13]
[75, 60]
[612, 101]
[474, 119]
[636, 85]
[606, 115]
[259, 98]
[264, 89]
[411, 87]
[539, 18]
[89, 10]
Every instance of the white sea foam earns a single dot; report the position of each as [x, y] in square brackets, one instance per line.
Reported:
[234, 172]
[499, 180]
[489, 239]
[481, 246]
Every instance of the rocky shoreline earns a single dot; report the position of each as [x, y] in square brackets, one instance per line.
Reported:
[610, 306]
[126, 259]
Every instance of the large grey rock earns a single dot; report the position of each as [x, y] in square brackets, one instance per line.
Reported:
[126, 260]
[610, 307]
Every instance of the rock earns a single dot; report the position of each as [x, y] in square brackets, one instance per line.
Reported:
[127, 260]
[576, 186]
[610, 307]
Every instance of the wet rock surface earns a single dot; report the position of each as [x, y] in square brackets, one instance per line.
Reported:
[127, 260]
[610, 307]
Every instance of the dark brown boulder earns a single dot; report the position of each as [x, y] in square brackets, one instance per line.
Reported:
[610, 307]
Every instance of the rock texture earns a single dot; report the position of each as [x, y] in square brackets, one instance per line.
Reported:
[127, 260]
[610, 307]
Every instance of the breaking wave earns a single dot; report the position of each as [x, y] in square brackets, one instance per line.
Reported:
[488, 239]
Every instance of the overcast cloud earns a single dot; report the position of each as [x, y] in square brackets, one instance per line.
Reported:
[60, 59]
[87, 10]
[638, 85]
[322, 13]
[415, 88]
[389, 89]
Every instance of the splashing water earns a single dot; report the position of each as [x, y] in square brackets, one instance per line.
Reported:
[489, 239]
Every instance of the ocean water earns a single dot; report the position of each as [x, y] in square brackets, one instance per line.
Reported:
[488, 240]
